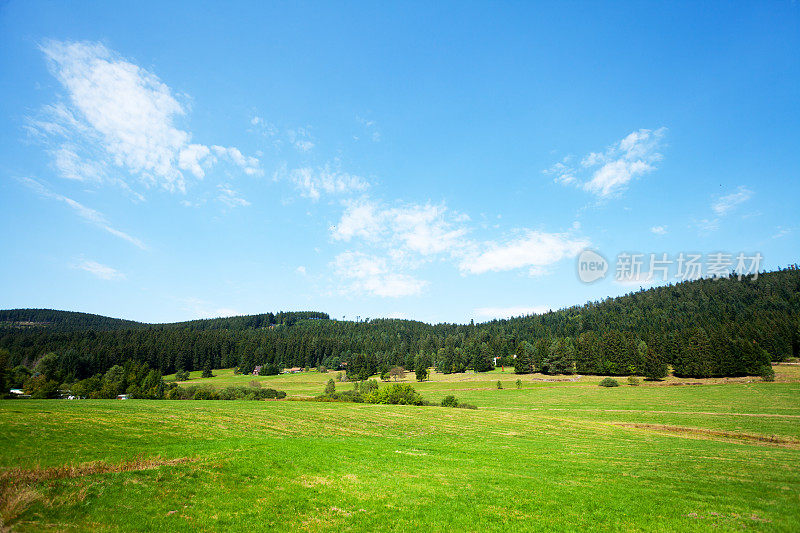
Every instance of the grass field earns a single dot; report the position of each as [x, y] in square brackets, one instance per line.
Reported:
[553, 455]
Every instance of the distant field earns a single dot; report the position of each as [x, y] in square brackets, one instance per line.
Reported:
[550, 456]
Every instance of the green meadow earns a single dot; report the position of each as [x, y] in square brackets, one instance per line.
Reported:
[557, 454]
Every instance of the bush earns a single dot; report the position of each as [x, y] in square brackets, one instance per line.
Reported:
[609, 382]
[182, 375]
[206, 392]
[499, 385]
[422, 374]
[449, 401]
[767, 373]
[466, 406]
[395, 394]
[330, 387]
[180, 393]
[633, 381]
[346, 396]
[207, 373]
[519, 383]
[40, 387]
[365, 387]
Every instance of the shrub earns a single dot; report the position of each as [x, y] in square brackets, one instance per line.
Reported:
[206, 392]
[767, 373]
[182, 375]
[41, 387]
[609, 382]
[180, 393]
[449, 401]
[346, 396]
[519, 383]
[499, 385]
[422, 374]
[466, 406]
[633, 381]
[366, 387]
[330, 387]
[395, 394]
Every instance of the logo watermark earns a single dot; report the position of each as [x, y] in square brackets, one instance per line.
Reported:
[631, 267]
[591, 266]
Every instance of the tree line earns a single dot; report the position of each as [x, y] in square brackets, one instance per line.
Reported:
[706, 327]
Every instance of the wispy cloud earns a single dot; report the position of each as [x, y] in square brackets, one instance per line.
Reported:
[420, 228]
[370, 128]
[533, 250]
[724, 204]
[88, 214]
[199, 308]
[300, 138]
[230, 197]
[371, 275]
[119, 116]
[99, 270]
[402, 238]
[659, 230]
[608, 173]
[315, 182]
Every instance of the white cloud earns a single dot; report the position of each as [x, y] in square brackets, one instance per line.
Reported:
[371, 275]
[426, 229]
[121, 116]
[533, 250]
[722, 206]
[313, 183]
[361, 218]
[86, 213]
[782, 232]
[508, 312]
[199, 308]
[99, 270]
[726, 203]
[300, 138]
[608, 173]
[371, 128]
[403, 238]
[301, 270]
[230, 197]
[659, 230]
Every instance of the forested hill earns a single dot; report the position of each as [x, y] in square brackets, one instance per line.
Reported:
[54, 320]
[62, 320]
[702, 327]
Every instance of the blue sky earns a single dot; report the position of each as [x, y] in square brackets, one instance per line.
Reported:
[441, 163]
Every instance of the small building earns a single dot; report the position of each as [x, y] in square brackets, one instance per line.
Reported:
[122, 397]
[257, 370]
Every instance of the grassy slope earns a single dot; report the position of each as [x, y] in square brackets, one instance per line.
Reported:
[550, 456]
